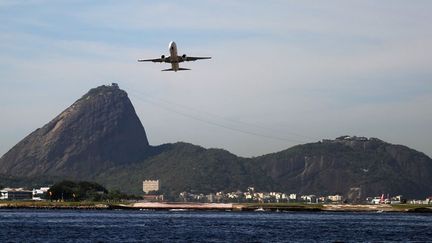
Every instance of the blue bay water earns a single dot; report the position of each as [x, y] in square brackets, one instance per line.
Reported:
[129, 226]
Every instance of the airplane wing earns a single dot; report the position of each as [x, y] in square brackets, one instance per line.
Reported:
[152, 60]
[187, 59]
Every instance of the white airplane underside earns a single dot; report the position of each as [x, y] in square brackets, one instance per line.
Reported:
[174, 59]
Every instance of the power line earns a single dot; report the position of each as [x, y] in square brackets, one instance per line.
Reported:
[218, 124]
[197, 118]
[222, 118]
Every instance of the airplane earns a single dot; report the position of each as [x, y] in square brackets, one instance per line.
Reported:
[174, 59]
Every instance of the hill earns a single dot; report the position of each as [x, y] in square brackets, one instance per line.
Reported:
[98, 131]
[187, 167]
[353, 166]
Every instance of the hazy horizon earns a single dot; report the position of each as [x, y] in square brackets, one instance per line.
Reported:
[282, 73]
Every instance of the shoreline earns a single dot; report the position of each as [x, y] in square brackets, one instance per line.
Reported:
[238, 207]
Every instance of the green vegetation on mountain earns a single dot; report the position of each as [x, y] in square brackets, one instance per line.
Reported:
[186, 167]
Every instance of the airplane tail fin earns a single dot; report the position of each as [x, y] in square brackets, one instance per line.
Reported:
[170, 69]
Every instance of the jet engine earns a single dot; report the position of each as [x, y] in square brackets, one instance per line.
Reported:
[184, 57]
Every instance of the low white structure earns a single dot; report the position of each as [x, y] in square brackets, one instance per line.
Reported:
[15, 194]
[309, 198]
[40, 191]
[335, 198]
[293, 196]
[376, 200]
[3, 194]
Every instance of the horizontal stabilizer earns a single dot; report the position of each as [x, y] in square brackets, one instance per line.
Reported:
[170, 69]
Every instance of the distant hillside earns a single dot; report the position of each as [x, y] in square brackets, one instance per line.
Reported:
[187, 167]
[100, 138]
[351, 166]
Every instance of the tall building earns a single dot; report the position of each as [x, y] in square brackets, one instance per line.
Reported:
[151, 185]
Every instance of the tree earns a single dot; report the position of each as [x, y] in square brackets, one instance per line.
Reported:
[84, 190]
[64, 190]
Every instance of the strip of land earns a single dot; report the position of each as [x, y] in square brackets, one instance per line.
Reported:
[218, 206]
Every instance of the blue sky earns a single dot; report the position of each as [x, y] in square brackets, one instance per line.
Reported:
[282, 73]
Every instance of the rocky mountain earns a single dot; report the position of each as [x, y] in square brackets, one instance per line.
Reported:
[97, 132]
[353, 166]
[100, 138]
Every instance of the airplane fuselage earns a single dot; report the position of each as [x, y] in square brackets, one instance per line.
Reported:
[174, 56]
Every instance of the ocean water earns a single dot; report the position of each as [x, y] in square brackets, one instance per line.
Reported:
[164, 226]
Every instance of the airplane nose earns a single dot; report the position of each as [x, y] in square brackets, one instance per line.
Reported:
[171, 45]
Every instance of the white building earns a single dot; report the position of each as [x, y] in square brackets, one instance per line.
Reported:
[151, 185]
[40, 191]
[3, 194]
[335, 198]
[376, 200]
[309, 198]
[15, 194]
